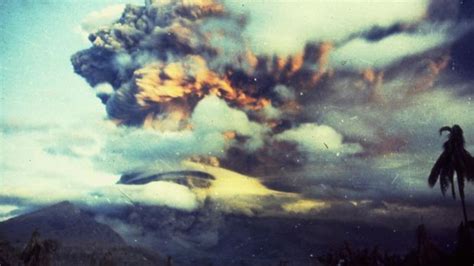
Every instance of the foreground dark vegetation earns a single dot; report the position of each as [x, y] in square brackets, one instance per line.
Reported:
[45, 252]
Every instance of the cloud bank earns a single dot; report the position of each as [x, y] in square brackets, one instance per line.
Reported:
[320, 20]
[331, 117]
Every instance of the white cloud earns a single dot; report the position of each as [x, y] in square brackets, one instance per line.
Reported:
[139, 148]
[97, 20]
[102, 18]
[214, 115]
[284, 26]
[361, 53]
[47, 164]
[317, 139]
[104, 88]
[162, 193]
[7, 211]
[129, 149]
[354, 123]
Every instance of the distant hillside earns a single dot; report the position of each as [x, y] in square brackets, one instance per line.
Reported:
[63, 222]
[82, 240]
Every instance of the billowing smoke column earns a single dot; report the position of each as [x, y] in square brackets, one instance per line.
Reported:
[165, 46]
[163, 58]
[153, 66]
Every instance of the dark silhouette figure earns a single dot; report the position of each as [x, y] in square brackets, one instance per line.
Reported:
[454, 159]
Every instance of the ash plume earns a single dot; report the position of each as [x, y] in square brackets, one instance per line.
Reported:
[332, 108]
[238, 124]
[188, 50]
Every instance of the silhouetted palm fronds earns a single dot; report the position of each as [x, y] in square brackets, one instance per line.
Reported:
[454, 159]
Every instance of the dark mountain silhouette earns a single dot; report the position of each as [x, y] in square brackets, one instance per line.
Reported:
[80, 239]
[63, 222]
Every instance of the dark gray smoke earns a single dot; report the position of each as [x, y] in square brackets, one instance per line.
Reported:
[350, 121]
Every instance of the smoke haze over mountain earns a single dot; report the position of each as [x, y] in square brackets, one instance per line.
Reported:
[321, 110]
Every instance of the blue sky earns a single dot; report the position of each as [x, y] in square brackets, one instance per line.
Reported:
[37, 80]
[38, 84]
[41, 96]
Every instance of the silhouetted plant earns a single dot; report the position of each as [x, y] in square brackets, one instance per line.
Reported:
[454, 159]
[464, 254]
[37, 252]
[426, 252]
